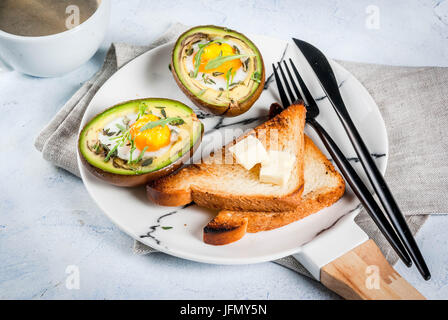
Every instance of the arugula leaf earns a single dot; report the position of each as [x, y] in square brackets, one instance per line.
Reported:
[121, 128]
[141, 110]
[197, 59]
[112, 151]
[132, 150]
[141, 154]
[97, 147]
[161, 122]
[229, 76]
[256, 76]
[122, 139]
[218, 61]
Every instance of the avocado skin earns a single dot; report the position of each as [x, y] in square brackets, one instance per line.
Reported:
[137, 179]
[232, 110]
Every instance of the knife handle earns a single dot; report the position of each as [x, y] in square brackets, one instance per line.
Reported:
[364, 274]
[384, 194]
[361, 191]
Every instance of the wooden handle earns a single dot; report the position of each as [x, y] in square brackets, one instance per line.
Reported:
[364, 274]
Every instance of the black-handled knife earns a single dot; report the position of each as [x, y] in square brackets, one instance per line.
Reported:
[327, 80]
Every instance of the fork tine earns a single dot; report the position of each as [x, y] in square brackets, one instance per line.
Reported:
[281, 91]
[309, 100]
[293, 82]
[288, 88]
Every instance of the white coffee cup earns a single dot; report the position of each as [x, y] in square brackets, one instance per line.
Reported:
[57, 54]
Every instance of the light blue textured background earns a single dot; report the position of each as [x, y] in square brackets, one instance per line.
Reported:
[48, 221]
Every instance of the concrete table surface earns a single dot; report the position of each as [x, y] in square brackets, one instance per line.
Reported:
[48, 223]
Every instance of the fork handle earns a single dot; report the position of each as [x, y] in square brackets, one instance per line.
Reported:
[361, 191]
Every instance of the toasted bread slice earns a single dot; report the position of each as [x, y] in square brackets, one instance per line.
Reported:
[216, 184]
[225, 228]
[323, 187]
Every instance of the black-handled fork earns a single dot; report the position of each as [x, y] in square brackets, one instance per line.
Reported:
[350, 175]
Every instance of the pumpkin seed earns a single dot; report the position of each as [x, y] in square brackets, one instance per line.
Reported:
[177, 122]
[163, 113]
[147, 162]
[246, 65]
[108, 133]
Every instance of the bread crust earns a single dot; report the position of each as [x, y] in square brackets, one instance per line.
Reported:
[224, 230]
[166, 191]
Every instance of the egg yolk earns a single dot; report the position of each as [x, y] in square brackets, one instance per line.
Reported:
[213, 51]
[155, 138]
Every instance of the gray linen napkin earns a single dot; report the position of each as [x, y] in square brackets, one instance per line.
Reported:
[413, 102]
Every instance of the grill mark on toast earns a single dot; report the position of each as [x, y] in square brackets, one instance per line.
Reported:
[208, 229]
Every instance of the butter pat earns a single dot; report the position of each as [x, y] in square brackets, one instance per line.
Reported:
[277, 168]
[249, 152]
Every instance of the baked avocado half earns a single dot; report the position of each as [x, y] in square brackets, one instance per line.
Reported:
[220, 70]
[140, 140]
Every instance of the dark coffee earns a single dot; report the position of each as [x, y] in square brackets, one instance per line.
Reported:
[35, 18]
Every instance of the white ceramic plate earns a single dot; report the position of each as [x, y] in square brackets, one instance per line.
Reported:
[148, 76]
